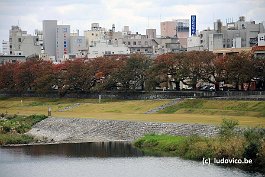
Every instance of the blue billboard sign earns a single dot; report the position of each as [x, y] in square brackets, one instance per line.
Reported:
[193, 25]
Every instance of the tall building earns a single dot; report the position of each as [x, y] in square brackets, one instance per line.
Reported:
[62, 41]
[49, 36]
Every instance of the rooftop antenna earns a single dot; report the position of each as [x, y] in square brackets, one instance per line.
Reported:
[17, 22]
[148, 22]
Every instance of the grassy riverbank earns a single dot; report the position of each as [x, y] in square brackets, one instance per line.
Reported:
[202, 111]
[228, 145]
[12, 128]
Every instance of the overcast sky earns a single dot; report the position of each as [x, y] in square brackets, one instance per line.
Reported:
[138, 14]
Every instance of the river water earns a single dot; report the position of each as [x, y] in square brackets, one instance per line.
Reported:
[113, 159]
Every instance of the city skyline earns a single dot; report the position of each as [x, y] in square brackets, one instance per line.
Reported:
[139, 15]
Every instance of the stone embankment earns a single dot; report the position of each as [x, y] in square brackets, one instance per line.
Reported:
[171, 103]
[90, 130]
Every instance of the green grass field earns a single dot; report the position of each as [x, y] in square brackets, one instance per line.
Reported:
[248, 113]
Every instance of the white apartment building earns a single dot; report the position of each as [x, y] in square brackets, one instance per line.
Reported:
[62, 41]
[21, 43]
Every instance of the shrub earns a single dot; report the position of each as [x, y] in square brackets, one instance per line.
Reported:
[139, 143]
[254, 138]
[261, 156]
[150, 143]
[15, 139]
[232, 147]
[227, 128]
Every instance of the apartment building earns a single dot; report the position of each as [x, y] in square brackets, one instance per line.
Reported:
[21, 43]
[94, 35]
[62, 41]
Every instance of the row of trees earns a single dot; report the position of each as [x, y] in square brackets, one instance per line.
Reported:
[133, 73]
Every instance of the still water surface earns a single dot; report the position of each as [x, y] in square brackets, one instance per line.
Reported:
[114, 159]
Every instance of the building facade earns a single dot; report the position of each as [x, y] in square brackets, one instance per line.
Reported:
[5, 47]
[77, 44]
[168, 28]
[176, 29]
[49, 37]
[103, 48]
[21, 43]
[62, 41]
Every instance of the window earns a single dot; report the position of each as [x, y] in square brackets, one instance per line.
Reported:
[139, 42]
[145, 43]
[19, 39]
[129, 43]
[65, 30]
[64, 42]
[134, 43]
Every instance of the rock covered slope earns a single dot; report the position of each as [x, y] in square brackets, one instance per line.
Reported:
[91, 130]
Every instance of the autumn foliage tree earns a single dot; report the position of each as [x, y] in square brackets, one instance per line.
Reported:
[162, 68]
[7, 72]
[235, 68]
[133, 75]
[136, 72]
[196, 66]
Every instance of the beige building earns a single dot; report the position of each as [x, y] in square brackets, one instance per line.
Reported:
[176, 29]
[168, 28]
[94, 35]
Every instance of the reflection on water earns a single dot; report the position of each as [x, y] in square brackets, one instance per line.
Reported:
[95, 149]
[109, 159]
